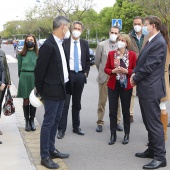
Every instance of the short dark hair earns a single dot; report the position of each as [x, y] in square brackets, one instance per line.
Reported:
[114, 27]
[138, 17]
[77, 22]
[59, 20]
[154, 20]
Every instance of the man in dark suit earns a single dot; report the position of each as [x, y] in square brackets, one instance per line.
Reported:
[78, 51]
[148, 75]
[51, 81]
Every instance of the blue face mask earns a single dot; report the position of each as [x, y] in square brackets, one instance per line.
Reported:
[145, 31]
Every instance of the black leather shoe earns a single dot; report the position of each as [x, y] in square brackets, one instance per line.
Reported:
[146, 154]
[1, 133]
[27, 126]
[32, 125]
[112, 139]
[0, 142]
[99, 128]
[154, 164]
[125, 140]
[78, 131]
[60, 135]
[57, 154]
[48, 163]
[168, 124]
[119, 128]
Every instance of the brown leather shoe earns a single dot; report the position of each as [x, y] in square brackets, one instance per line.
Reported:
[131, 119]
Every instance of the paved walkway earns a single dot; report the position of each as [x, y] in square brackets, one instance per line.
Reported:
[20, 149]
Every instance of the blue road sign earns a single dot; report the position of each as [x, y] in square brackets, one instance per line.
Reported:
[117, 22]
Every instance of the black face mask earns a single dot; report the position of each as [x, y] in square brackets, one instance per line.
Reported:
[29, 44]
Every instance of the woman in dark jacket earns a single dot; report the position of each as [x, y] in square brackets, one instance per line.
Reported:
[119, 66]
[26, 64]
[2, 85]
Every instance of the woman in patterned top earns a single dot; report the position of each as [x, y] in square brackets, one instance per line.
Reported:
[119, 66]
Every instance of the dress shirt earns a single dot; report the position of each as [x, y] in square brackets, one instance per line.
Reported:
[152, 37]
[112, 46]
[72, 54]
[63, 58]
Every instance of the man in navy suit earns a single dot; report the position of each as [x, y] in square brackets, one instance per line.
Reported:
[79, 61]
[51, 81]
[148, 75]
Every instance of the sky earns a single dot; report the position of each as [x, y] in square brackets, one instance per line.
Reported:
[15, 9]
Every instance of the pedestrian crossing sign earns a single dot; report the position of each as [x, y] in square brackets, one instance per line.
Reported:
[117, 22]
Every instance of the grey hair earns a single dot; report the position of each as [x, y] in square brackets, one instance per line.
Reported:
[77, 22]
[59, 20]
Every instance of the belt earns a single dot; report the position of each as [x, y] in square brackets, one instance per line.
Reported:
[72, 71]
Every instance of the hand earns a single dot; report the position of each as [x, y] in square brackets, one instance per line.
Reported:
[115, 70]
[2, 86]
[85, 74]
[123, 70]
[131, 80]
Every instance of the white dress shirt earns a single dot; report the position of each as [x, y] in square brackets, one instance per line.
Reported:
[153, 36]
[63, 58]
[72, 54]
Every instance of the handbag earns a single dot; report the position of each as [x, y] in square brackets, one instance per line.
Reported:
[8, 107]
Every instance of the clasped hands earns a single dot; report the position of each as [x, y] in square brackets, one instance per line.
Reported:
[120, 70]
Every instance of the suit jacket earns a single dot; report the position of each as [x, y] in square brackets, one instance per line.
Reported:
[85, 55]
[2, 74]
[102, 52]
[49, 76]
[110, 66]
[149, 70]
[133, 45]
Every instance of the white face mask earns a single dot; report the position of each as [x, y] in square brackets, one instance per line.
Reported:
[121, 44]
[137, 28]
[113, 37]
[76, 34]
[67, 34]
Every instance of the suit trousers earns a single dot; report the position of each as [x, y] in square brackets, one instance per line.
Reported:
[151, 113]
[125, 97]
[103, 94]
[132, 101]
[77, 82]
[53, 111]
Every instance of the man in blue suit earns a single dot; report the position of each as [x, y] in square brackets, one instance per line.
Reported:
[77, 51]
[148, 75]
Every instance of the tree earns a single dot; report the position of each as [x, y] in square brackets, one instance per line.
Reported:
[127, 11]
[161, 8]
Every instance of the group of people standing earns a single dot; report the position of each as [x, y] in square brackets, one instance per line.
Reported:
[140, 59]
[128, 65]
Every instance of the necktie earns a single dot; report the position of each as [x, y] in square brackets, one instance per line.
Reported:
[146, 43]
[76, 58]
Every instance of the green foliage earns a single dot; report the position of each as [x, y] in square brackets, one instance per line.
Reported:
[127, 12]
[92, 45]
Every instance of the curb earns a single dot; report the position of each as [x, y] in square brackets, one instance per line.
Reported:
[31, 139]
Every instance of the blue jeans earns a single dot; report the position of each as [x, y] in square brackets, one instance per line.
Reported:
[53, 111]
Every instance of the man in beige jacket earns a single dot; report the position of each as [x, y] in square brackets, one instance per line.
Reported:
[138, 41]
[102, 51]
